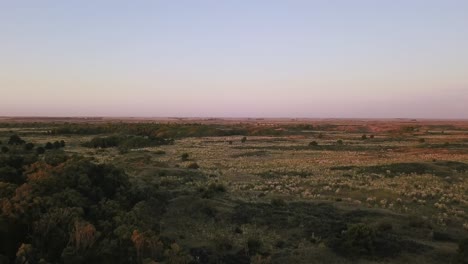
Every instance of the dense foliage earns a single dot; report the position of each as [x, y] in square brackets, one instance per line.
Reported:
[60, 208]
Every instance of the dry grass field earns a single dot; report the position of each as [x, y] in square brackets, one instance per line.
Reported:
[290, 194]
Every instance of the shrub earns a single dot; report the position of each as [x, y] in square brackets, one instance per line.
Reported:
[57, 145]
[212, 190]
[49, 145]
[55, 158]
[184, 157]
[364, 137]
[422, 140]
[40, 150]
[15, 140]
[360, 240]
[193, 166]
[254, 246]
[244, 139]
[371, 136]
[5, 149]
[339, 142]
[29, 146]
[313, 144]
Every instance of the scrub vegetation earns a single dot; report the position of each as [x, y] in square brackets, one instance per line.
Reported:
[216, 191]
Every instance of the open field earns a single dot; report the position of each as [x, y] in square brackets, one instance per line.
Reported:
[240, 191]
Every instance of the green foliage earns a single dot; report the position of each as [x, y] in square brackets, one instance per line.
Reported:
[55, 158]
[40, 150]
[49, 145]
[361, 240]
[126, 142]
[15, 140]
[28, 146]
[5, 149]
[75, 212]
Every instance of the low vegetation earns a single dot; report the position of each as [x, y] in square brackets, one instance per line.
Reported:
[233, 193]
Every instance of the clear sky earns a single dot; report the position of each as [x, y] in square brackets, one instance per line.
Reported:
[235, 58]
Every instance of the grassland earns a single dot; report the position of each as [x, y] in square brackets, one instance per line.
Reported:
[366, 191]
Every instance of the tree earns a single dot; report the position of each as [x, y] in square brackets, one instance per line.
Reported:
[339, 142]
[364, 137]
[49, 145]
[29, 146]
[313, 144]
[62, 143]
[15, 140]
[57, 145]
[244, 139]
[40, 150]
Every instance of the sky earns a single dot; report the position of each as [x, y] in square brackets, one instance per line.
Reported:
[235, 58]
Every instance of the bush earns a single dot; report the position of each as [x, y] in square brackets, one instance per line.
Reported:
[422, 140]
[360, 240]
[313, 144]
[29, 146]
[339, 142]
[254, 246]
[49, 145]
[212, 190]
[40, 150]
[57, 145]
[184, 157]
[193, 166]
[54, 158]
[5, 149]
[364, 137]
[244, 139]
[15, 140]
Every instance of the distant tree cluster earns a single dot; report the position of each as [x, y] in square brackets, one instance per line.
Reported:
[127, 142]
[55, 145]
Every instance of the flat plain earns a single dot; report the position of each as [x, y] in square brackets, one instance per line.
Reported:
[249, 190]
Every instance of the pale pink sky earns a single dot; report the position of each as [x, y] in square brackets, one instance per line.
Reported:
[235, 58]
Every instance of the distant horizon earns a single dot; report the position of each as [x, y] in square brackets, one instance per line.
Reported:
[230, 117]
